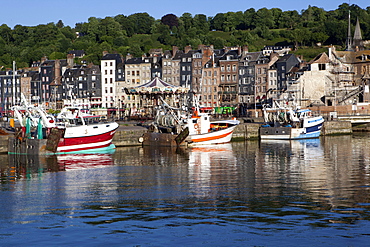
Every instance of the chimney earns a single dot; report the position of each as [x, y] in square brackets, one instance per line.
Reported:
[70, 60]
[174, 50]
[207, 52]
[187, 48]
[105, 53]
[57, 72]
[201, 47]
[245, 49]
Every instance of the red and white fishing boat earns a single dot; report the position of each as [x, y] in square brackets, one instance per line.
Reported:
[174, 127]
[83, 131]
[204, 131]
[74, 130]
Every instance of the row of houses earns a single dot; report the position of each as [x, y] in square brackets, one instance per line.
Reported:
[232, 77]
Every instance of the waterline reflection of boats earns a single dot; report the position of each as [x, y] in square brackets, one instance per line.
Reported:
[304, 149]
[205, 162]
[24, 166]
[84, 161]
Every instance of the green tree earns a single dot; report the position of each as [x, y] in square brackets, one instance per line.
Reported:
[142, 22]
[319, 37]
[289, 19]
[110, 27]
[313, 16]
[234, 21]
[60, 24]
[57, 55]
[94, 31]
[276, 15]
[164, 34]
[135, 50]
[6, 33]
[300, 36]
[337, 32]
[218, 21]
[120, 41]
[264, 18]
[201, 23]
[186, 20]
[127, 24]
[68, 33]
[63, 44]
[22, 34]
[45, 34]
[249, 20]
[263, 32]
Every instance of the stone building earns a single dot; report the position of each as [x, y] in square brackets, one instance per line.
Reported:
[229, 77]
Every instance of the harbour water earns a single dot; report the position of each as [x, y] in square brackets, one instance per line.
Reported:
[270, 193]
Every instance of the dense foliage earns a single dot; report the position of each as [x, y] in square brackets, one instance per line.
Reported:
[137, 33]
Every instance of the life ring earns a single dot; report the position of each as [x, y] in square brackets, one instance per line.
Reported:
[196, 126]
[141, 139]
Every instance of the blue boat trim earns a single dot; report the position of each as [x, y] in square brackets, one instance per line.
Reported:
[316, 120]
[110, 149]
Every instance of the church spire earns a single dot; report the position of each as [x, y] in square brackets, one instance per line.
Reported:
[357, 34]
[357, 43]
[349, 35]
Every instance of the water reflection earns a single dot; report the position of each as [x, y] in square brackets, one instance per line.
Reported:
[327, 174]
[84, 161]
[15, 166]
[207, 164]
[284, 193]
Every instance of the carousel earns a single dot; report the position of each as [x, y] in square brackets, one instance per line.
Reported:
[153, 91]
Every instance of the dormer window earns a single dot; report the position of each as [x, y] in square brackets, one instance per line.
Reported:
[322, 66]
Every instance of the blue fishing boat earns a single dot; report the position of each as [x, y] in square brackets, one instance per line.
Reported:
[286, 123]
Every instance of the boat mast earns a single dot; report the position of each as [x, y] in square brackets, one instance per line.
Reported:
[13, 101]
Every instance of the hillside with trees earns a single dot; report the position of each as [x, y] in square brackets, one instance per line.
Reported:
[306, 31]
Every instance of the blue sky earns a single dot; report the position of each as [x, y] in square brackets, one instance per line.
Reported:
[33, 13]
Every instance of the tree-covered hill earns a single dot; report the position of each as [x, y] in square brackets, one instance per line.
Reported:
[137, 33]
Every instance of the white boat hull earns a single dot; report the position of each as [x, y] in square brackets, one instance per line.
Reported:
[216, 137]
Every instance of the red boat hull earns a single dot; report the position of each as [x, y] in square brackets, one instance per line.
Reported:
[86, 142]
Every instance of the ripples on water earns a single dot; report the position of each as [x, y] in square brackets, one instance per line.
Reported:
[254, 193]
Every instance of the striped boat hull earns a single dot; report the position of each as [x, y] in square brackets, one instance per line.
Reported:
[216, 137]
[87, 138]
